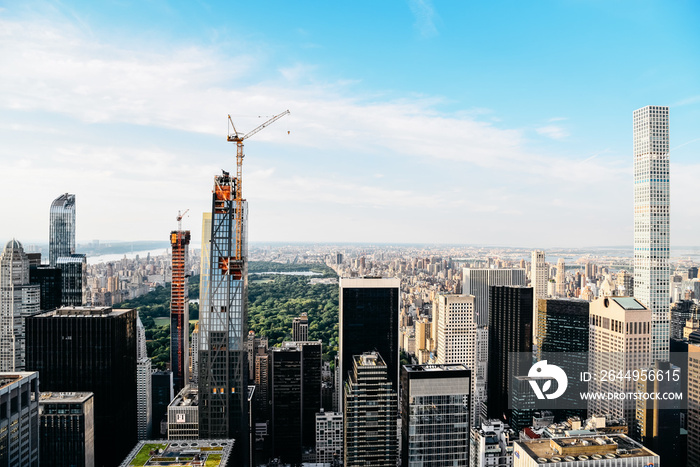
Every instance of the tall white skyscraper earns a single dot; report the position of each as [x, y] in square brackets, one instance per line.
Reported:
[539, 276]
[457, 342]
[18, 300]
[651, 221]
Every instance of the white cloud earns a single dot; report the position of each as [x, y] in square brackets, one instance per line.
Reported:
[552, 131]
[424, 12]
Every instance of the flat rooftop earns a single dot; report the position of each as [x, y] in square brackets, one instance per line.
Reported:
[8, 378]
[197, 452]
[577, 448]
[188, 397]
[84, 311]
[435, 368]
[64, 397]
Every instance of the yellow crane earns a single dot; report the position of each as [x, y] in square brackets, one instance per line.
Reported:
[235, 137]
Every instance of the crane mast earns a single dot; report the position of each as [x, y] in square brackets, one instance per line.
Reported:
[235, 137]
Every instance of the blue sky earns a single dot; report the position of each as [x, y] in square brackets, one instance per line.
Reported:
[504, 123]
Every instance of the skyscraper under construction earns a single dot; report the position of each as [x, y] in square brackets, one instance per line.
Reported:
[179, 309]
[223, 375]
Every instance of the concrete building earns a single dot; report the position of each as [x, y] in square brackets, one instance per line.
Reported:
[18, 300]
[619, 341]
[144, 401]
[67, 429]
[371, 407]
[458, 341]
[491, 445]
[183, 415]
[194, 355]
[651, 221]
[435, 416]
[581, 451]
[141, 351]
[329, 437]
[19, 419]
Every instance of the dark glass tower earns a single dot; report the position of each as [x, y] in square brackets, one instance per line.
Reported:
[179, 310]
[369, 321]
[223, 377]
[61, 228]
[296, 397]
[91, 349]
[49, 281]
[510, 332]
[67, 429]
[73, 279]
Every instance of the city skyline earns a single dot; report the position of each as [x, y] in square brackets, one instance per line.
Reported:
[508, 113]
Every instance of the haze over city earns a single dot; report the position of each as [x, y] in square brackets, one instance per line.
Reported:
[507, 124]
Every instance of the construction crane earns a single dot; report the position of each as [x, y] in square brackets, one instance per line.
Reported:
[236, 137]
[179, 218]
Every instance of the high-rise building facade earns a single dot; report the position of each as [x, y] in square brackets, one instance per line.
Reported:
[457, 343]
[561, 278]
[78, 349]
[183, 415]
[693, 420]
[67, 428]
[144, 404]
[295, 395]
[194, 356]
[329, 437]
[539, 278]
[619, 342]
[223, 373]
[510, 333]
[19, 419]
[369, 321]
[435, 418]
[61, 228]
[476, 282]
[179, 310]
[300, 328]
[49, 281]
[651, 221]
[371, 407]
[73, 279]
[162, 394]
[18, 300]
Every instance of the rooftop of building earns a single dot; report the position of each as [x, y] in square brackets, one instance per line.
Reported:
[64, 397]
[188, 397]
[74, 311]
[578, 448]
[628, 303]
[435, 368]
[211, 453]
[8, 378]
[369, 359]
